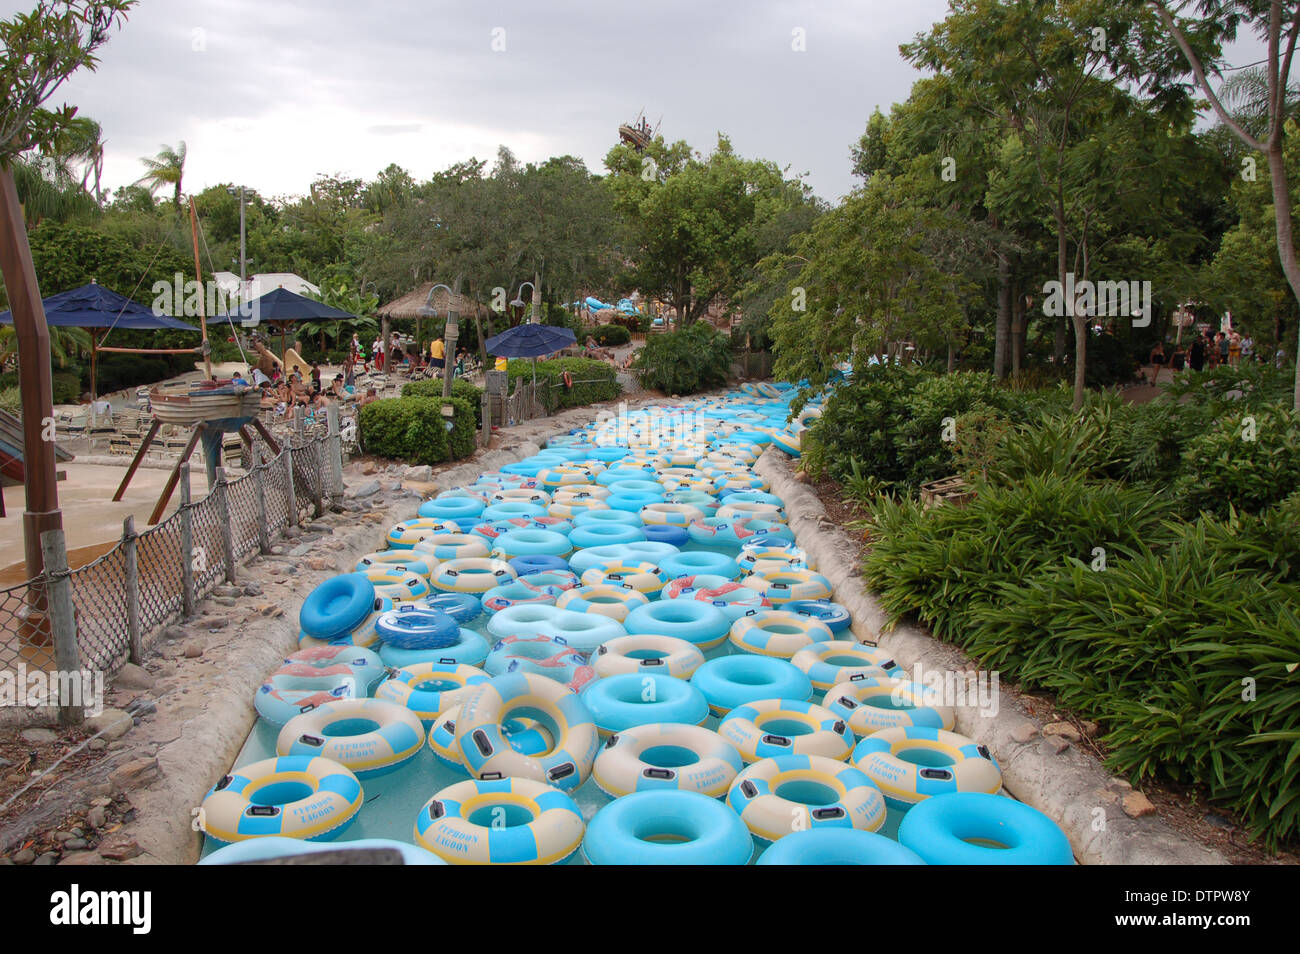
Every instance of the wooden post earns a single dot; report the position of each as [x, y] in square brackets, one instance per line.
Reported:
[335, 450]
[132, 584]
[299, 421]
[259, 498]
[293, 494]
[222, 494]
[35, 376]
[58, 596]
[187, 542]
[486, 437]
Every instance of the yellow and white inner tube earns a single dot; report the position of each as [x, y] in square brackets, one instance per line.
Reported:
[771, 727]
[647, 653]
[293, 796]
[913, 763]
[510, 821]
[665, 755]
[779, 796]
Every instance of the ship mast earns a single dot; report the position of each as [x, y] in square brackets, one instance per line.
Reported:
[198, 274]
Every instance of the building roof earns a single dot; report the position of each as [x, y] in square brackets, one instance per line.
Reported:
[259, 285]
[409, 305]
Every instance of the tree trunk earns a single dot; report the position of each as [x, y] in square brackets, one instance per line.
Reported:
[1285, 238]
[1019, 323]
[1002, 333]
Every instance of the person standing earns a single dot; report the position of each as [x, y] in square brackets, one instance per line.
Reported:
[1224, 347]
[1196, 355]
[1234, 349]
[378, 348]
[438, 356]
[1158, 359]
[1248, 347]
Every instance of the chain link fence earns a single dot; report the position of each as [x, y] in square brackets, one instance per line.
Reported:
[147, 580]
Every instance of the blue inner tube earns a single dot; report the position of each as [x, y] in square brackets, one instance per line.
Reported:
[605, 534]
[667, 828]
[695, 621]
[531, 563]
[470, 648]
[643, 552]
[591, 517]
[751, 496]
[663, 533]
[462, 607]
[632, 502]
[528, 542]
[731, 681]
[414, 627]
[696, 562]
[277, 846]
[832, 614]
[838, 846]
[337, 606]
[510, 509]
[452, 508]
[941, 830]
[626, 701]
[542, 655]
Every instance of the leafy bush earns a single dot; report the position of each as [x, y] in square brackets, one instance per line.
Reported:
[115, 372]
[413, 430]
[683, 362]
[432, 388]
[893, 421]
[1110, 362]
[1247, 461]
[611, 336]
[11, 401]
[593, 381]
[942, 563]
[1183, 653]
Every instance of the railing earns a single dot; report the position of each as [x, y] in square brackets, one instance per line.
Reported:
[147, 580]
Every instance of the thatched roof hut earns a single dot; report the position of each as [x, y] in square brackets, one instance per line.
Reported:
[409, 305]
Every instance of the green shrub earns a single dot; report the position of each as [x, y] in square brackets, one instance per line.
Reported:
[611, 336]
[593, 381]
[1247, 461]
[1184, 654]
[894, 421]
[413, 430]
[432, 388]
[11, 401]
[116, 372]
[942, 563]
[683, 362]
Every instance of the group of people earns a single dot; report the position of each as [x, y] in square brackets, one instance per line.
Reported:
[1228, 348]
[594, 351]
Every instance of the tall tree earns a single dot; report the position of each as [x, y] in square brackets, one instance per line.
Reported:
[167, 168]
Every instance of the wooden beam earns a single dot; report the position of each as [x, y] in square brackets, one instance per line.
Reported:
[135, 463]
[170, 487]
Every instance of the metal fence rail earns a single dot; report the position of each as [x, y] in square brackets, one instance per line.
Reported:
[147, 580]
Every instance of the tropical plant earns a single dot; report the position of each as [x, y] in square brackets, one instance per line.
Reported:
[165, 169]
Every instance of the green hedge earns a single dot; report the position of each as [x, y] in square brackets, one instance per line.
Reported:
[432, 388]
[593, 381]
[693, 359]
[413, 430]
[611, 336]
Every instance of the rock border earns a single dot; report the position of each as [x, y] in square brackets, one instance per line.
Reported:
[1040, 768]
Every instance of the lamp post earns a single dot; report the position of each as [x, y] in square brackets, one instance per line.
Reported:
[519, 299]
[451, 333]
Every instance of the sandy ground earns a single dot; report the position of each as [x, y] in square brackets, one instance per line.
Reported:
[91, 521]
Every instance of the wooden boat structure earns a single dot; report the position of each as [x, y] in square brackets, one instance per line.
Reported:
[637, 133]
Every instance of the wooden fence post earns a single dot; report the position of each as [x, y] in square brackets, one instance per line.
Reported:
[58, 596]
[259, 499]
[187, 544]
[293, 494]
[335, 451]
[223, 519]
[132, 584]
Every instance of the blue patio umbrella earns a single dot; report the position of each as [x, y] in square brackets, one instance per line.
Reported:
[282, 307]
[530, 341]
[101, 309]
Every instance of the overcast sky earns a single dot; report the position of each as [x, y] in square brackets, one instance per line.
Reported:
[270, 93]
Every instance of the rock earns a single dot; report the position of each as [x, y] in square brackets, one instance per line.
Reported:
[373, 517]
[193, 649]
[278, 550]
[320, 563]
[24, 857]
[226, 589]
[1090, 729]
[96, 817]
[101, 801]
[75, 844]
[49, 858]
[223, 600]
[419, 475]
[174, 632]
[119, 848]
[39, 736]
[97, 745]
[217, 622]
[369, 468]
[1136, 805]
[112, 723]
[138, 773]
[303, 549]
[1063, 729]
[131, 676]
[368, 489]
[1055, 745]
[62, 836]
[291, 533]
[1026, 732]
[81, 858]
[1216, 820]
[252, 589]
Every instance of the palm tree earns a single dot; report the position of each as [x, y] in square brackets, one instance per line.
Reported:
[167, 168]
[1245, 94]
